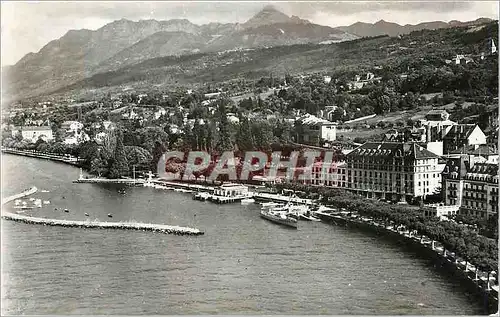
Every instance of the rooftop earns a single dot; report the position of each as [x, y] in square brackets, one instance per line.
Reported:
[387, 149]
[310, 119]
[33, 128]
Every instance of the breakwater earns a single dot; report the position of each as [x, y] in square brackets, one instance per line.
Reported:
[432, 250]
[71, 160]
[103, 225]
[25, 193]
[128, 181]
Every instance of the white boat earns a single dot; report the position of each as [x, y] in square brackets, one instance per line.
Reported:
[44, 191]
[17, 202]
[271, 204]
[309, 218]
[32, 199]
[46, 202]
[201, 196]
[279, 217]
[247, 201]
[23, 207]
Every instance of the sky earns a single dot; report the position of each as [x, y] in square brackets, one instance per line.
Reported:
[28, 26]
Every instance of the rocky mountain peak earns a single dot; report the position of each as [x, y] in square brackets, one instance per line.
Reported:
[268, 15]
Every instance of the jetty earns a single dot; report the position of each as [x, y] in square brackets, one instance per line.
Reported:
[102, 180]
[103, 225]
[128, 181]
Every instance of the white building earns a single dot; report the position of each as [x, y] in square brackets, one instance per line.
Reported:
[393, 170]
[32, 134]
[312, 130]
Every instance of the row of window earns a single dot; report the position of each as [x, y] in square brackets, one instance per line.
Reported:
[474, 204]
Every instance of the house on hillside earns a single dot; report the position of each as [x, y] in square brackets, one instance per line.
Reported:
[33, 133]
[437, 125]
[463, 59]
[437, 115]
[462, 135]
[328, 112]
[312, 130]
[74, 132]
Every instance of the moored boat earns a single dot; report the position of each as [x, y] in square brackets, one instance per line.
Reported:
[309, 218]
[278, 217]
[247, 201]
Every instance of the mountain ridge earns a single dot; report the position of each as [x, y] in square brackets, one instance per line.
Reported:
[79, 54]
[383, 27]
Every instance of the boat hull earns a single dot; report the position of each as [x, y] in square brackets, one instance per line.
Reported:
[309, 218]
[279, 220]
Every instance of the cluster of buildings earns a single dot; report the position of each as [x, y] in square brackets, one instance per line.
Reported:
[441, 160]
[463, 59]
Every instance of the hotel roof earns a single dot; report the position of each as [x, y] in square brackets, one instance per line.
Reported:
[388, 149]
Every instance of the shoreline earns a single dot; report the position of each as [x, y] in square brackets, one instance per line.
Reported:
[425, 248]
[422, 249]
[74, 161]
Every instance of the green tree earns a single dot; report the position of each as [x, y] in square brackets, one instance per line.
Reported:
[224, 142]
[119, 166]
[99, 163]
[244, 136]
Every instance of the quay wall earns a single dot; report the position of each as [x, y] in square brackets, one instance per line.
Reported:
[442, 263]
[52, 157]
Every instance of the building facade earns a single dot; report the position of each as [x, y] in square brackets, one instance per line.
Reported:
[312, 130]
[394, 171]
[33, 133]
[472, 187]
[462, 135]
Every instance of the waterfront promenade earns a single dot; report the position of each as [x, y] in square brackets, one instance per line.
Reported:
[71, 160]
[474, 278]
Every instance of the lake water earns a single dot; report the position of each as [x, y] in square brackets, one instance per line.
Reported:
[242, 265]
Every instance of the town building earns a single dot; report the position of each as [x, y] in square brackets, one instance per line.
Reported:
[463, 59]
[312, 130]
[394, 171]
[472, 187]
[33, 133]
[74, 133]
[462, 135]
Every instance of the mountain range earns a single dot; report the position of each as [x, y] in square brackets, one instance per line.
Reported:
[393, 29]
[80, 54]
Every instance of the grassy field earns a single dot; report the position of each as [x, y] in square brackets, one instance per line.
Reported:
[361, 133]
[414, 115]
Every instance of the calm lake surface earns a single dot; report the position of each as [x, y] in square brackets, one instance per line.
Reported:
[242, 265]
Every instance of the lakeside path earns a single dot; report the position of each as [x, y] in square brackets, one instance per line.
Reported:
[71, 160]
[474, 278]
